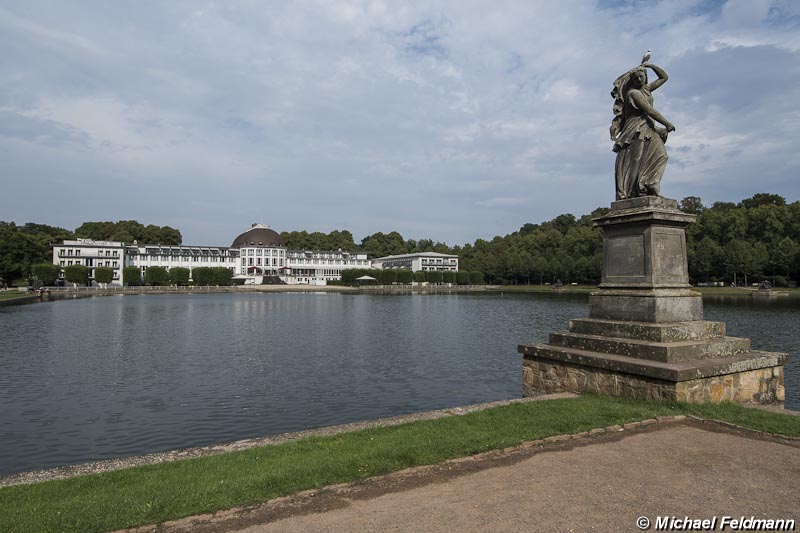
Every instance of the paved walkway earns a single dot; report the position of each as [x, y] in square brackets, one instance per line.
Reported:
[601, 483]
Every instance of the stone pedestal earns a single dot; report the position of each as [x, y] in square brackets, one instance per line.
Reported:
[645, 336]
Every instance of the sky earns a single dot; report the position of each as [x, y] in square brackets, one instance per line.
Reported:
[449, 120]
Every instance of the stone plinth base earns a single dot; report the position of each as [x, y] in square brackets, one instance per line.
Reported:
[645, 336]
[761, 386]
[690, 361]
[654, 305]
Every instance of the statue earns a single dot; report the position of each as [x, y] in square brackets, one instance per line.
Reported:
[638, 142]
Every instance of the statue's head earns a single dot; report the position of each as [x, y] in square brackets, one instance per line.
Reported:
[638, 77]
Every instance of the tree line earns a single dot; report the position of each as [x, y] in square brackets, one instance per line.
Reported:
[757, 238]
[21, 247]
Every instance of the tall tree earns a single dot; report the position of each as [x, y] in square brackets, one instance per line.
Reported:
[77, 274]
[692, 205]
[103, 275]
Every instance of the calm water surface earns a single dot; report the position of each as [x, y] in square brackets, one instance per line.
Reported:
[98, 378]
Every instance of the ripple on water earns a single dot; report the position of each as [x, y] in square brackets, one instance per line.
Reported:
[100, 378]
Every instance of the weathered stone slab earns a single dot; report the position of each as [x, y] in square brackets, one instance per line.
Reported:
[639, 202]
[649, 331]
[654, 305]
[668, 352]
[677, 371]
[762, 386]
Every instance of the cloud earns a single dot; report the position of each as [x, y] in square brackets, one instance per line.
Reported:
[448, 120]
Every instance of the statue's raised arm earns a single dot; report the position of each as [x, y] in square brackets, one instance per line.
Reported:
[638, 142]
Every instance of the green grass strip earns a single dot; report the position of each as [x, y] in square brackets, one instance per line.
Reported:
[156, 493]
[13, 295]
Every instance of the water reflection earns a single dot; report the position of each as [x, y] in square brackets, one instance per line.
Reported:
[91, 379]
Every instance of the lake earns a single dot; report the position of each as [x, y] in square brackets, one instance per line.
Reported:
[106, 377]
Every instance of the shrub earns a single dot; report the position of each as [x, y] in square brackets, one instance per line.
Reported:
[433, 276]
[76, 274]
[132, 276]
[179, 275]
[156, 275]
[462, 277]
[46, 273]
[419, 276]
[212, 276]
[221, 276]
[202, 276]
[404, 276]
[387, 277]
[449, 277]
[103, 274]
[476, 278]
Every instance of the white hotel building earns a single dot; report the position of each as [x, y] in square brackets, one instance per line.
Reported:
[419, 261]
[257, 253]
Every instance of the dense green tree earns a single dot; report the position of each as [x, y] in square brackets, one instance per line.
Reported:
[179, 276]
[739, 259]
[128, 231]
[24, 246]
[335, 240]
[132, 276]
[419, 276]
[692, 205]
[783, 255]
[404, 276]
[381, 245]
[476, 278]
[156, 275]
[202, 276]
[387, 276]
[462, 277]
[103, 275]
[448, 277]
[77, 274]
[433, 276]
[212, 276]
[705, 258]
[763, 198]
[45, 274]
[221, 276]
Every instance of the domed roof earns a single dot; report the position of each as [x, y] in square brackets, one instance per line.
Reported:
[258, 235]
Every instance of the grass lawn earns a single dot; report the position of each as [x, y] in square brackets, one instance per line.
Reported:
[10, 295]
[167, 491]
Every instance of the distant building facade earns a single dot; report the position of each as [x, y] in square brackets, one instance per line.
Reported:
[255, 255]
[91, 254]
[424, 261]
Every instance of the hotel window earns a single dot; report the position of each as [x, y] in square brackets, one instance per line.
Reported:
[77, 252]
[69, 252]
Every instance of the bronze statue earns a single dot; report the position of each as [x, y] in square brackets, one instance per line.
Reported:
[638, 142]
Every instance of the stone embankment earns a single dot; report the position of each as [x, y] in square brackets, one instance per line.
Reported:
[69, 293]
